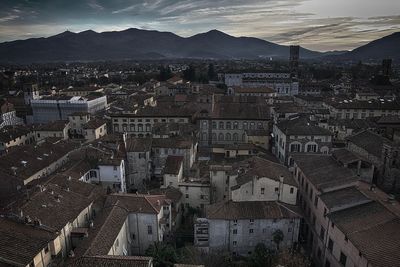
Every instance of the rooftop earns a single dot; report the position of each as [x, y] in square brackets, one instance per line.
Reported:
[20, 243]
[111, 261]
[230, 210]
[373, 230]
[369, 141]
[173, 164]
[324, 172]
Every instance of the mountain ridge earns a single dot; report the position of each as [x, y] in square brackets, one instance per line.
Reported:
[133, 43]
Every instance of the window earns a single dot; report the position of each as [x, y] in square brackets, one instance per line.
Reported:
[311, 148]
[221, 125]
[295, 148]
[228, 125]
[235, 221]
[251, 231]
[330, 245]
[291, 190]
[346, 238]
[262, 191]
[234, 231]
[115, 168]
[343, 259]
[201, 196]
[149, 229]
[187, 196]
[276, 189]
[234, 243]
[251, 220]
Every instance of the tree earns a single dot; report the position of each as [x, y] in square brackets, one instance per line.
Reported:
[211, 72]
[261, 256]
[165, 73]
[190, 74]
[277, 236]
[164, 255]
[291, 258]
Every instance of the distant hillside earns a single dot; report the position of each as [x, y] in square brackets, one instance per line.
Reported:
[140, 44]
[144, 44]
[386, 47]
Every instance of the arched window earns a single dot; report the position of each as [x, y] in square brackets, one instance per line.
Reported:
[235, 137]
[132, 127]
[311, 147]
[214, 137]
[221, 137]
[140, 127]
[204, 137]
[228, 137]
[221, 125]
[148, 127]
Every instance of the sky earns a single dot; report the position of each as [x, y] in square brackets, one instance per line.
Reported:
[315, 24]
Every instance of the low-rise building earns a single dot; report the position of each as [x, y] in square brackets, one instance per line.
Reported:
[57, 129]
[238, 227]
[94, 129]
[15, 136]
[299, 135]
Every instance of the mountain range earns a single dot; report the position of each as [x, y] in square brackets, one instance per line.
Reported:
[147, 44]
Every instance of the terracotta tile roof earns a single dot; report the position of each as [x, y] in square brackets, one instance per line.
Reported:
[260, 167]
[369, 141]
[8, 133]
[139, 203]
[342, 198]
[250, 210]
[138, 144]
[25, 161]
[55, 207]
[54, 126]
[106, 229]
[373, 230]
[171, 193]
[345, 156]
[20, 243]
[301, 126]
[94, 123]
[112, 261]
[241, 110]
[323, 171]
[173, 164]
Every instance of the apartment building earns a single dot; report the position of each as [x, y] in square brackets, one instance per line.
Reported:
[237, 227]
[230, 118]
[298, 135]
[282, 83]
[253, 179]
[140, 122]
[348, 223]
[361, 109]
